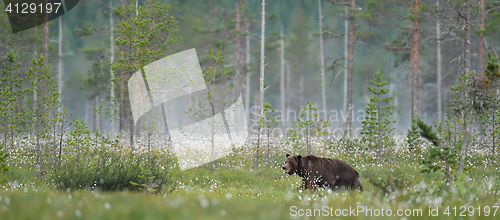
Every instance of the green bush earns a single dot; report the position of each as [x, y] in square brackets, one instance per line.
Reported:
[111, 171]
[3, 162]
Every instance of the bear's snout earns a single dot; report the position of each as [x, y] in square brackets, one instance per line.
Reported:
[287, 168]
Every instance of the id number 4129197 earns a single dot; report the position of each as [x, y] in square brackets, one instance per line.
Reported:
[471, 211]
[32, 8]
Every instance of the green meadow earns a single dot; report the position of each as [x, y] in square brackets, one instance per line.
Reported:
[237, 189]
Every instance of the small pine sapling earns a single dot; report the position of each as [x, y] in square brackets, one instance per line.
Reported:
[305, 126]
[324, 133]
[377, 131]
[210, 104]
[268, 122]
[10, 92]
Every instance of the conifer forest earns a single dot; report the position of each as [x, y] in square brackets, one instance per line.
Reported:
[249, 109]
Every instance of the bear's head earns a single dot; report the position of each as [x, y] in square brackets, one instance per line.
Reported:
[292, 163]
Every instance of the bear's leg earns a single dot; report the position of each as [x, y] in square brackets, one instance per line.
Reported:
[332, 184]
[304, 184]
[358, 185]
[312, 182]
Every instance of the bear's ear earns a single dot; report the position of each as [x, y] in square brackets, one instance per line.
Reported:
[299, 157]
[287, 155]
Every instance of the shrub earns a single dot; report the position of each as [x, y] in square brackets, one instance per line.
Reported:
[110, 171]
[3, 165]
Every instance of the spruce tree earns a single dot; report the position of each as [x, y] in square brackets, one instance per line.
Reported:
[377, 130]
[413, 137]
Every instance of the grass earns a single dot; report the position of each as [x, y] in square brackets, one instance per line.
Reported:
[238, 190]
[241, 193]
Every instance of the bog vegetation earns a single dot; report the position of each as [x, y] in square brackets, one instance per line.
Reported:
[50, 157]
[55, 165]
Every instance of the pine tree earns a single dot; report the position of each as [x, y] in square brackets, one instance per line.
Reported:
[42, 101]
[377, 130]
[266, 125]
[212, 102]
[146, 33]
[10, 91]
[305, 127]
[490, 119]
[94, 88]
[492, 67]
[473, 96]
[324, 133]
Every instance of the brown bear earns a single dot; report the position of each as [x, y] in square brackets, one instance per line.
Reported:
[323, 172]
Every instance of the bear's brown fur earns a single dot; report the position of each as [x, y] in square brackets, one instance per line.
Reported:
[323, 172]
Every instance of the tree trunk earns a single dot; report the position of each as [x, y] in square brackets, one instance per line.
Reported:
[46, 37]
[131, 132]
[94, 114]
[261, 79]
[12, 110]
[465, 147]
[346, 54]
[414, 63]
[122, 89]
[439, 76]
[282, 79]
[350, 71]
[122, 103]
[493, 135]
[131, 116]
[112, 59]
[262, 58]
[247, 72]
[212, 126]
[60, 64]
[322, 60]
[379, 138]
[301, 85]
[467, 66]
[37, 130]
[238, 51]
[308, 146]
[466, 50]
[100, 110]
[257, 152]
[481, 39]
[268, 147]
[287, 88]
[238, 77]
[447, 176]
